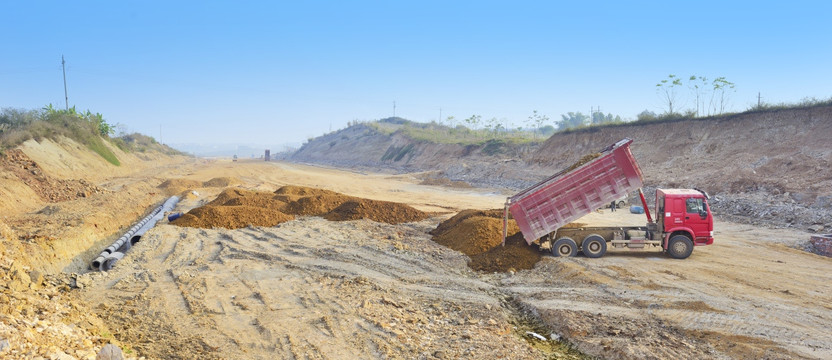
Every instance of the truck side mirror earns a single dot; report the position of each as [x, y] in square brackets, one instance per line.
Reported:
[703, 214]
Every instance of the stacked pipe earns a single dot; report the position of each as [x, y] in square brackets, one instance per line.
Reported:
[107, 259]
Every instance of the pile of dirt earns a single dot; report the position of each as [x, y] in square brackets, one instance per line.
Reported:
[180, 185]
[516, 255]
[222, 182]
[176, 186]
[231, 217]
[375, 210]
[479, 234]
[237, 208]
[585, 159]
[46, 187]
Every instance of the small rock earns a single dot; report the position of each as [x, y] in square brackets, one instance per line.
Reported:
[4, 345]
[555, 337]
[816, 228]
[37, 279]
[110, 352]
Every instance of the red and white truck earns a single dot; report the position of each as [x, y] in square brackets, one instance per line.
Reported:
[683, 217]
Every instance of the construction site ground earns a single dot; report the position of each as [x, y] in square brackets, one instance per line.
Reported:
[315, 288]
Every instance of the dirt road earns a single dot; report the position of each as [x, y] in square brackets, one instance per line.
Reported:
[319, 289]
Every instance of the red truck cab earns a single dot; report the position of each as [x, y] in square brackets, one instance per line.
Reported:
[684, 212]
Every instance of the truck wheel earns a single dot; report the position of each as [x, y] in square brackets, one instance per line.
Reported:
[679, 247]
[565, 247]
[620, 204]
[594, 246]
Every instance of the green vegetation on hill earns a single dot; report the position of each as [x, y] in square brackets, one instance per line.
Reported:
[495, 138]
[442, 134]
[18, 125]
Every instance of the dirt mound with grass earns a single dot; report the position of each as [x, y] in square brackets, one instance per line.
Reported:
[379, 211]
[479, 234]
[237, 208]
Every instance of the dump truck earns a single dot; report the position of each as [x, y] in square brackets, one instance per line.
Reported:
[683, 217]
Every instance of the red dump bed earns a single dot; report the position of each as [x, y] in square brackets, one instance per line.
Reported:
[567, 196]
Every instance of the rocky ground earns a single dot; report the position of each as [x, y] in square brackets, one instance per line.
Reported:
[314, 287]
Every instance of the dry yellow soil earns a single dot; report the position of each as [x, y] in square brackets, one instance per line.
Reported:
[315, 288]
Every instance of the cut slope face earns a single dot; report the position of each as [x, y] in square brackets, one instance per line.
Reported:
[238, 208]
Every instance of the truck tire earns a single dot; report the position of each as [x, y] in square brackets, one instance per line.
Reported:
[594, 246]
[565, 247]
[620, 204]
[679, 247]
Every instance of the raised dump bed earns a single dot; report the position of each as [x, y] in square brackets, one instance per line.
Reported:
[572, 193]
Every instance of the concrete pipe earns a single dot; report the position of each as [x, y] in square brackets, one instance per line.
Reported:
[110, 261]
[107, 258]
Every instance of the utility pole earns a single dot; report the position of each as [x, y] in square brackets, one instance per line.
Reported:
[63, 67]
[759, 100]
[394, 108]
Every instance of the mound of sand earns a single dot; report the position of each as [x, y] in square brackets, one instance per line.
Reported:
[317, 205]
[176, 186]
[379, 211]
[237, 208]
[222, 182]
[231, 217]
[516, 255]
[479, 234]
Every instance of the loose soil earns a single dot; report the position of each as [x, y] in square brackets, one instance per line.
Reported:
[313, 288]
[238, 208]
[479, 234]
[46, 187]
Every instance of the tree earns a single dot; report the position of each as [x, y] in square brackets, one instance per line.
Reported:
[572, 120]
[473, 121]
[537, 120]
[698, 85]
[667, 91]
[646, 115]
[720, 96]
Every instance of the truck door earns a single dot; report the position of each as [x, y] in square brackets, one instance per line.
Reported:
[698, 218]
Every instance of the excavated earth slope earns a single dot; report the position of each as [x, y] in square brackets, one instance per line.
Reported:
[767, 168]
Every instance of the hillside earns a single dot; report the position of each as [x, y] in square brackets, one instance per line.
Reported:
[767, 165]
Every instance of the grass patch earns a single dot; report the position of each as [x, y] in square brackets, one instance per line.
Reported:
[396, 153]
[97, 145]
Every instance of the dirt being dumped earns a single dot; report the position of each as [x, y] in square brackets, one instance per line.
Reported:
[479, 234]
[237, 208]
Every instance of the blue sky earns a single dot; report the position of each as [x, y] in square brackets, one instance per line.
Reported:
[279, 72]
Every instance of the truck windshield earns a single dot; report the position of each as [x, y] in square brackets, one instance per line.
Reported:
[695, 206]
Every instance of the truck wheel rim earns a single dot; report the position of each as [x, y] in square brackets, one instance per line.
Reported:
[594, 247]
[679, 247]
[564, 250]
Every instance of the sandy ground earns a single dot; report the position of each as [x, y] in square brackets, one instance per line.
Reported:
[311, 288]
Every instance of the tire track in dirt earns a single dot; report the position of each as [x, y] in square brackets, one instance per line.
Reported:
[310, 288]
